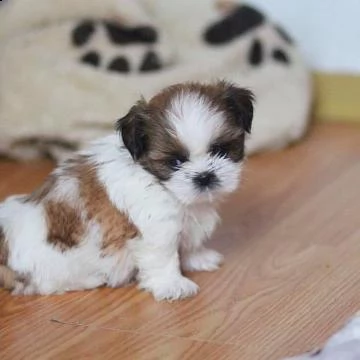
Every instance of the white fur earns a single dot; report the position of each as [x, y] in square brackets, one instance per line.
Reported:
[181, 183]
[202, 260]
[196, 123]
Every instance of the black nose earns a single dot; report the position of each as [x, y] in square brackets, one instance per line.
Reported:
[205, 179]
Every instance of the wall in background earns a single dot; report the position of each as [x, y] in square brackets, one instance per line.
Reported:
[327, 31]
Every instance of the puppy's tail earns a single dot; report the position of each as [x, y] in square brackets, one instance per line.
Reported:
[8, 278]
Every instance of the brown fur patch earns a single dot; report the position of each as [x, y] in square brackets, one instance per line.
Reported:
[4, 250]
[115, 225]
[162, 147]
[146, 134]
[232, 143]
[65, 226]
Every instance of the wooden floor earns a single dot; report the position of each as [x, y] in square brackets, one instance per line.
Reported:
[291, 238]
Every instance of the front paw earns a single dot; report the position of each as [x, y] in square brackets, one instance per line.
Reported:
[21, 288]
[170, 288]
[202, 260]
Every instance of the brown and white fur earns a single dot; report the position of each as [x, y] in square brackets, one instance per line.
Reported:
[136, 204]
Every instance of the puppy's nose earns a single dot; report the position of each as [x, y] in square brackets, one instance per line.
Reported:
[205, 179]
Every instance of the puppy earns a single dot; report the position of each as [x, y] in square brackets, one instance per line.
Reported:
[136, 204]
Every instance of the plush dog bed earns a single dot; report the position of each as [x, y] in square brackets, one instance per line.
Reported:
[343, 345]
[70, 68]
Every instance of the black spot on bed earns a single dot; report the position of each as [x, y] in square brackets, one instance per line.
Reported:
[118, 34]
[256, 53]
[280, 56]
[145, 34]
[316, 353]
[91, 58]
[283, 34]
[82, 33]
[121, 35]
[237, 23]
[119, 64]
[151, 62]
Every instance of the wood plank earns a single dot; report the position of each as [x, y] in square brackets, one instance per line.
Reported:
[291, 240]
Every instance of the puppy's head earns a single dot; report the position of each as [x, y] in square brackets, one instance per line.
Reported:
[191, 138]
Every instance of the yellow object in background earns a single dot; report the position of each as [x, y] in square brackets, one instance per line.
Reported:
[337, 97]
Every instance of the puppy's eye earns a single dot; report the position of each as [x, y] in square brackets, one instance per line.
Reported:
[176, 162]
[220, 150]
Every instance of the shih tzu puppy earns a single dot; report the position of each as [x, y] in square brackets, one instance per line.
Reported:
[137, 204]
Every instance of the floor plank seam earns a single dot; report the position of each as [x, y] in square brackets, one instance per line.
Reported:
[95, 327]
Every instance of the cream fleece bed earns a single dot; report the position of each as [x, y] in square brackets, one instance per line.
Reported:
[70, 68]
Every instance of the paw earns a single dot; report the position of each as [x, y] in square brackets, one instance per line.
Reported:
[171, 288]
[21, 288]
[28, 288]
[202, 260]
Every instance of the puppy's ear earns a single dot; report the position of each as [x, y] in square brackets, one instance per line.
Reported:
[132, 128]
[239, 103]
